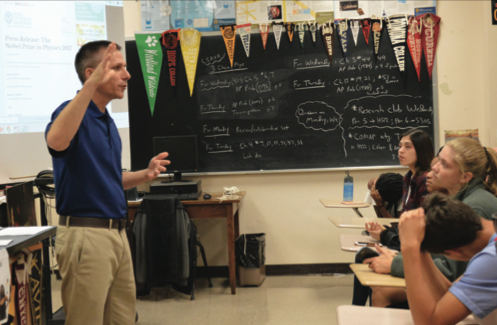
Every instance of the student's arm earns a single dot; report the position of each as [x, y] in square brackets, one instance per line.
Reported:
[427, 289]
[155, 167]
[66, 125]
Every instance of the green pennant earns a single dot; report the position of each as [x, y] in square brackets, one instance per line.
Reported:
[150, 53]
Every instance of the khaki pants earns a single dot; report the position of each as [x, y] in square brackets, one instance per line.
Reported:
[98, 284]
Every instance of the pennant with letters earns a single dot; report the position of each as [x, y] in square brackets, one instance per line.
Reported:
[190, 46]
[355, 25]
[312, 25]
[327, 33]
[264, 32]
[414, 44]
[397, 30]
[170, 45]
[342, 28]
[277, 30]
[377, 26]
[366, 28]
[150, 54]
[430, 28]
[244, 32]
[301, 32]
[229, 34]
[290, 27]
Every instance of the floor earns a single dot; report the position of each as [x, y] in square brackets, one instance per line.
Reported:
[279, 300]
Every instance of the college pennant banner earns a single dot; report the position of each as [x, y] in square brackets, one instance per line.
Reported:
[229, 33]
[355, 25]
[290, 27]
[313, 27]
[301, 32]
[190, 45]
[244, 32]
[327, 33]
[377, 26]
[414, 44]
[170, 44]
[150, 54]
[397, 30]
[366, 28]
[430, 28]
[277, 30]
[264, 32]
[342, 28]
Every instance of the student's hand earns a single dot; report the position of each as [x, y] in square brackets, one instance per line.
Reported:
[412, 226]
[383, 263]
[156, 166]
[376, 196]
[102, 73]
[374, 229]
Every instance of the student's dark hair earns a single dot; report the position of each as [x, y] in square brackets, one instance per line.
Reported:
[449, 224]
[424, 149]
[88, 57]
[390, 187]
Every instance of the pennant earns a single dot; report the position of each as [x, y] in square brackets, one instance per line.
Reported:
[264, 32]
[301, 32]
[150, 54]
[170, 44]
[312, 25]
[430, 28]
[277, 30]
[290, 27]
[327, 33]
[397, 30]
[366, 28]
[355, 25]
[229, 33]
[414, 44]
[190, 46]
[244, 32]
[342, 27]
[377, 26]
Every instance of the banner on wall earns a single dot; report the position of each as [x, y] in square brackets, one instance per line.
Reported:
[377, 26]
[355, 25]
[301, 32]
[150, 54]
[264, 28]
[342, 27]
[290, 28]
[397, 30]
[229, 33]
[327, 33]
[414, 44]
[312, 25]
[244, 32]
[366, 28]
[430, 25]
[190, 47]
[170, 45]
[277, 30]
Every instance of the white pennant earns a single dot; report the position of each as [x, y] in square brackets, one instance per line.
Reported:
[355, 26]
[312, 28]
[244, 31]
[277, 30]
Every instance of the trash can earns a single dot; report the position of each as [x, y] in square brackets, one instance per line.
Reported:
[250, 259]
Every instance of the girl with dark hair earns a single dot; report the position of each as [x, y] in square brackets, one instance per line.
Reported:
[387, 194]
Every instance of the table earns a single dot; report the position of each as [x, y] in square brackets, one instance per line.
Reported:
[352, 315]
[347, 242]
[212, 209]
[352, 222]
[328, 203]
[369, 278]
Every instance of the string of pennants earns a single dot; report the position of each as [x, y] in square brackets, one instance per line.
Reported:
[419, 34]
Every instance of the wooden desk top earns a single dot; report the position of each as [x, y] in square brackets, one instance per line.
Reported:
[359, 315]
[329, 203]
[368, 278]
[358, 223]
[201, 201]
[347, 242]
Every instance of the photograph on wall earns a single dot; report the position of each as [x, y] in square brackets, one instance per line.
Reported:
[454, 134]
[274, 13]
[349, 5]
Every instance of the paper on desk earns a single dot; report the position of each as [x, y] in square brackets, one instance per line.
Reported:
[5, 242]
[21, 231]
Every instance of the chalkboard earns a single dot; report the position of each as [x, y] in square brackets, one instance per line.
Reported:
[284, 109]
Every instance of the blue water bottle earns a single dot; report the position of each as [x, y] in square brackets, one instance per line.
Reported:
[348, 188]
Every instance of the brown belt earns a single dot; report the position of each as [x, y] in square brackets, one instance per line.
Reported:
[69, 221]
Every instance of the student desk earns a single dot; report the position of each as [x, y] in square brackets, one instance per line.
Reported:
[358, 315]
[352, 222]
[212, 209]
[367, 277]
[338, 204]
[347, 242]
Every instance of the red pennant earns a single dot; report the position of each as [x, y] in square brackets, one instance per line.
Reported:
[366, 28]
[430, 28]
[414, 44]
[264, 32]
[170, 44]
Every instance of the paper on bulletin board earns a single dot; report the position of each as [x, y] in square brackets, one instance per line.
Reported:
[203, 15]
[263, 12]
[155, 15]
[4, 285]
[305, 10]
[364, 9]
[454, 134]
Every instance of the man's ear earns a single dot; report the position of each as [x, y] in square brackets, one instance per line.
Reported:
[88, 72]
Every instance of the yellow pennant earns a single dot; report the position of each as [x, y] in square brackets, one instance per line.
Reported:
[229, 33]
[190, 46]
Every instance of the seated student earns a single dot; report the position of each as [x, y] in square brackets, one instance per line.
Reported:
[386, 192]
[447, 226]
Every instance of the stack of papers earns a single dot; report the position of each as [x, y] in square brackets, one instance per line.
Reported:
[22, 231]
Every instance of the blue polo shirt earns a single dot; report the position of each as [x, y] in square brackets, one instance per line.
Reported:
[88, 174]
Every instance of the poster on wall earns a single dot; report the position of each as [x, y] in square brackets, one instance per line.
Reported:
[454, 134]
[257, 11]
[363, 9]
[203, 15]
[155, 15]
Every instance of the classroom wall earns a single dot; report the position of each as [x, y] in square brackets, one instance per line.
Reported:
[285, 205]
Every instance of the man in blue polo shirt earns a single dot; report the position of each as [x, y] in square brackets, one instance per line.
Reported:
[92, 249]
[447, 226]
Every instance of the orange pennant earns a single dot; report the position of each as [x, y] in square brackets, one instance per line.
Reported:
[264, 33]
[229, 33]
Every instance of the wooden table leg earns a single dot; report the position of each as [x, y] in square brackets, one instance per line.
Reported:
[231, 247]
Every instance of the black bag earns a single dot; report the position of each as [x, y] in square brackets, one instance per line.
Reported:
[250, 250]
